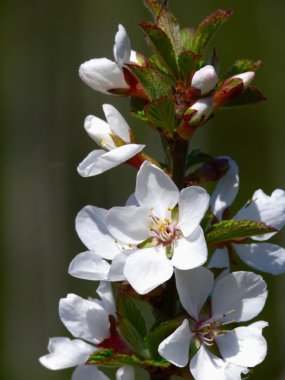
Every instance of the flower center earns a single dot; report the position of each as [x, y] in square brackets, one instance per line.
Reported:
[164, 231]
[208, 330]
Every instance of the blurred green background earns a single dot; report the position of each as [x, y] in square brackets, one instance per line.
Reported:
[44, 103]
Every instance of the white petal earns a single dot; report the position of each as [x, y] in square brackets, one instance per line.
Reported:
[116, 272]
[204, 108]
[243, 292]
[220, 259]
[66, 353]
[205, 363]
[193, 203]
[117, 123]
[147, 268]
[156, 190]
[125, 373]
[132, 200]
[99, 161]
[205, 79]
[266, 257]
[175, 348]
[89, 266]
[190, 252]
[226, 190]
[246, 77]
[99, 131]
[88, 372]
[194, 287]
[102, 75]
[92, 230]
[269, 209]
[129, 224]
[122, 47]
[245, 346]
[84, 318]
[105, 292]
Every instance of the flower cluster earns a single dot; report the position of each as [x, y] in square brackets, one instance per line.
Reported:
[162, 246]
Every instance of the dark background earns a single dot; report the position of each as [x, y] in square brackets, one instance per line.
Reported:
[44, 103]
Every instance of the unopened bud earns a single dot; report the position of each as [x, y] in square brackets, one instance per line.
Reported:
[199, 111]
[205, 79]
[246, 78]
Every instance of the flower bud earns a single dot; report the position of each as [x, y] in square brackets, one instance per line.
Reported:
[199, 111]
[205, 79]
[246, 78]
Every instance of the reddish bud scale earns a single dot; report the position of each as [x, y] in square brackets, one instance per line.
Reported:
[135, 88]
[229, 90]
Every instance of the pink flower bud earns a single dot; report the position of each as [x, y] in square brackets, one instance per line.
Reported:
[205, 79]
[246, 78]
[199, 111]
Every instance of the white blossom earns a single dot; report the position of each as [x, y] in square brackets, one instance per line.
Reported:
[114, 136]
[203, 107]
[237, 297]
[246, 78]
[205, 79]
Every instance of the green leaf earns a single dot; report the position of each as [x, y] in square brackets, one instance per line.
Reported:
[151, 80]
[228, 230]
[153, 6]
[108, 358]
[241, 66]
[196, 156]
[134, 338]
[127, 309]
[188, 62]
[208, 28]
[161, 114]
[137, 108]
[168, 23]
[155, 60]
[187, 35]
[161, 45]
[155, 337]
[251, 95]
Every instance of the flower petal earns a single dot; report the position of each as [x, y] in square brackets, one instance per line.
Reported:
[99, 161]
[219, 259]
[147, 268]
[269, 209]
[205, 363]
[117, 123]
[102, 75]
[89, 266]
[205, 79]
[116, 272]
[191, 252]
[175, 348]
[193, 203]
[122, 47]
[243, 292]
[266, 257]
[200, 279]
[88, 372]
[226, 190]
[66, 353]
[85, 319]
[92, 230]
[129, 224]
[99, 131]
[125, 373]
[156, 190]
[105, 292]
[245, 346]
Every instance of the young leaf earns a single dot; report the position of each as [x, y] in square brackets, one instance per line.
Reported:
[207, 29]
[161, 45]
[108, 358]
[151, 80]
[153, 6]
[134, 338]
[188, 62]
[155, 337]
[187, 35]
[127, 309]
[241, 66]
[228, 230]
[197, 157]
[251, 95]
[161, 114]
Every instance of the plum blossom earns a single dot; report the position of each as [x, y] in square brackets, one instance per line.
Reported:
[237, 297]
[87, 321]
[114, 136]
[106, 76]
[269, 209]
[205, 79]
[159, 234]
